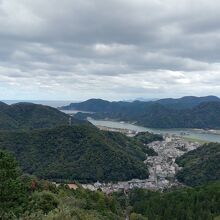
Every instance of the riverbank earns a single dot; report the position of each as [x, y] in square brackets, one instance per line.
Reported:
[198, 135]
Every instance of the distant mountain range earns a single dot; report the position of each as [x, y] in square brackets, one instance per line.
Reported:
[186, 101]
[186, 112]
[30, 116]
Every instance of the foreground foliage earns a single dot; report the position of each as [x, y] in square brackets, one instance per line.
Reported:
[24, 197]
[200, 203]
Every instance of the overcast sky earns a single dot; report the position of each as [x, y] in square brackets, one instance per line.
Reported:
[111, 49]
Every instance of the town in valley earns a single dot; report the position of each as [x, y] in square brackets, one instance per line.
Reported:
[162, 168]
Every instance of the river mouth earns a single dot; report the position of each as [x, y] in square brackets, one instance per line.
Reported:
[190, 134]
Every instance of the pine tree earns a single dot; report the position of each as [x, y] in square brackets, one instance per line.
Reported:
[12, 193]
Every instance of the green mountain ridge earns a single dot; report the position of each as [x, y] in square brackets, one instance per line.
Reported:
[200, 166]
[31, 116]
[79, 152]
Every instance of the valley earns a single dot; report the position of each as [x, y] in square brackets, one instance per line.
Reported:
[103, 169]
[109, 110]
[162, 167]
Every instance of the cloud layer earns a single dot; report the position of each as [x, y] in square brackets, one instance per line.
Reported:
[114, 49]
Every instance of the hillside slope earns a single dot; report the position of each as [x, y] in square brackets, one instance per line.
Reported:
[200, 166]
[26, 197]
[80, 152]
[29, 116]
[199, 203]
[204, 115]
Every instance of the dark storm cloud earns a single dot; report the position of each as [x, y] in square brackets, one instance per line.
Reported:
[71, 49]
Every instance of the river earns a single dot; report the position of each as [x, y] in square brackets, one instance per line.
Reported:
[187, 133]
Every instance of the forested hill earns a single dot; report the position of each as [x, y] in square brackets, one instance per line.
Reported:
[80, 152]
[199, 203]
[204, 115]
[99, 105]
[201, 165]
[157, 115]
[28, 116]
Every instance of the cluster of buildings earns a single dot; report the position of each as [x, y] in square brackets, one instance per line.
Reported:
[127, 132]
[120, 186]
[162, 168]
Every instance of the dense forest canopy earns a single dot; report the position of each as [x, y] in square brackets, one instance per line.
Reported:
[79, 152]
[201, 165]
[200, 203]
[26, 197]
[31, 116]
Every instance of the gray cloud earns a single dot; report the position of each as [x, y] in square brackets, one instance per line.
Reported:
[111, 49]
